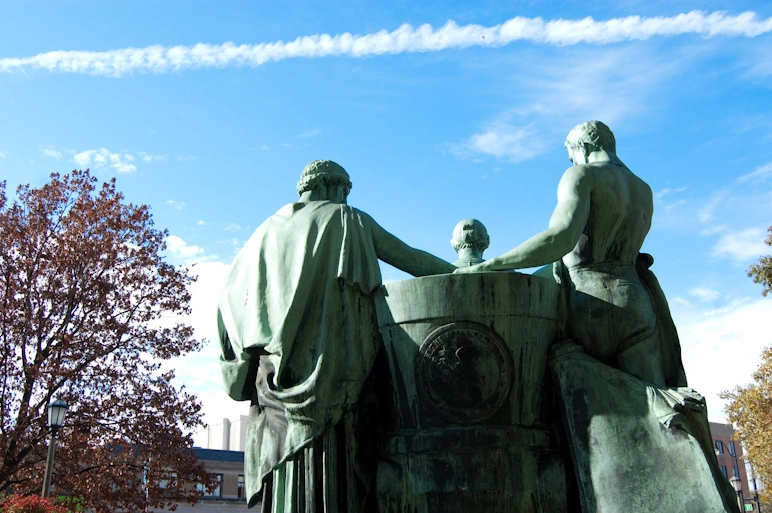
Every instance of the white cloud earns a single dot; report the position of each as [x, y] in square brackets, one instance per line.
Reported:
[503, 140]
[706, 213]
[310, 133]
[176, 205]
[666, 192]
[102, 157]
[406, 38]
[615, 83]
[186, 157]
[265, 147]
[150, 158]
[704, 294]
[681, 301]
[760, 174]
[181, 251]
[721, 348]
[743, 246]
[200, 372]
[52, 153]
[3, 154]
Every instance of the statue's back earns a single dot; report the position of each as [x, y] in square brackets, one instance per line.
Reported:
[621, 207]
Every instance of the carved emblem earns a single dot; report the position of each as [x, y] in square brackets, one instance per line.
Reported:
[464, 372]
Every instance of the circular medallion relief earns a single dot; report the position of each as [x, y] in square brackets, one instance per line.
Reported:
[464, 372]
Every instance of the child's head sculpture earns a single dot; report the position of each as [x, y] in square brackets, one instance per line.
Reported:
[470, 239]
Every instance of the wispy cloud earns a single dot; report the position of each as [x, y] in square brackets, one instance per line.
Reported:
[150, 158]
[706, 213]
[760, 174]
[121, 162]
[52, 153]
[310, 133]
[743, 246]
[615, 83]
[704, 294]
[667, 192]
[176, 205]
[186, 157]
[407, 38]
[502, 139]
[3, 154]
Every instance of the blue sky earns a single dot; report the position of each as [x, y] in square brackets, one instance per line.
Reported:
[208, 111]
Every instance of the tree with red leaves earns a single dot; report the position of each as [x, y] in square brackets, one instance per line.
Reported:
[83, 284]
[30, 504]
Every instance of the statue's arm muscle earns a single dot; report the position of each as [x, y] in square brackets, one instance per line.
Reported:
[413, 261]
[566, 225]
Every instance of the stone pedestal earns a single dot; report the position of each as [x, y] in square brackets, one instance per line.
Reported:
[466, 408]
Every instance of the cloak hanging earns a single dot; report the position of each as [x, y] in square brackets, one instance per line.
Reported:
[297, 327]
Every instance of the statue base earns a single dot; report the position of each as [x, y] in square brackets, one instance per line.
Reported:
[467, 415]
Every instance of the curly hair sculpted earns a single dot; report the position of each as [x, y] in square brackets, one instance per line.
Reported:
[321, 173]
[594, 133]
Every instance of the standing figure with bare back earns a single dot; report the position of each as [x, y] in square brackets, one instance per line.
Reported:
[623, 427]
[603, 215]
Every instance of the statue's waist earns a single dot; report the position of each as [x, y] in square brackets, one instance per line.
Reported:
[605, 266]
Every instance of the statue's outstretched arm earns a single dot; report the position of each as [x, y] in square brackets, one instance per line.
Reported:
[566, 225]
[413, 261]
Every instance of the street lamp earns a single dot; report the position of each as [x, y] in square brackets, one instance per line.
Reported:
[738, 487]
[56, 412]
[755, 491]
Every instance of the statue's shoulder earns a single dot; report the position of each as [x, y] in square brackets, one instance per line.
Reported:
[578, 177]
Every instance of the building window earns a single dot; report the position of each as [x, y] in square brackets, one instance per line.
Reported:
[164, 483]
[217, 492]
[719, 447]
[731, 447]
[241, 488]
[723, 470]
[735, 472]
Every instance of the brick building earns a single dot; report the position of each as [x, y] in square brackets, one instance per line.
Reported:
[730, 459]
[230, 495]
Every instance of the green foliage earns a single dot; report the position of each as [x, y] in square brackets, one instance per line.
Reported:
[761, 272]
[750, 409]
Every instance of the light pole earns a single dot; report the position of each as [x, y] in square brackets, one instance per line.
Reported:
[755, 491]
[56, 412]
[738, 487]
[735, 480]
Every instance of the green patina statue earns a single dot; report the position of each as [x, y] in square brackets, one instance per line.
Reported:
[623, 432]
[456, 411]
[598, 227]
[298, 339]
[470, 239]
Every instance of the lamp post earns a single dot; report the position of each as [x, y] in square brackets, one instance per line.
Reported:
[738, 487]
[755, 491]
[735, 479]
[56, 412]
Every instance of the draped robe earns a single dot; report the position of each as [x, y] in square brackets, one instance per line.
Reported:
[297, 331]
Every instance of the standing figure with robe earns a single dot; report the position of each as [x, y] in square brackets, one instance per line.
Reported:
[297, 331]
